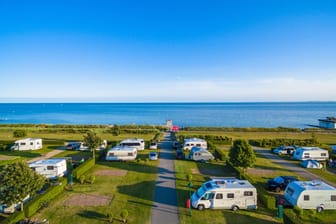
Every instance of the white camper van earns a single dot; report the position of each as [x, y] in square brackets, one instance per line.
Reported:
[200, 154]
[191, 142]
[121, 153]
[311, 195]
[50, 168]
[313, 153]
[27, 144]
[137, 143]
[225, 193]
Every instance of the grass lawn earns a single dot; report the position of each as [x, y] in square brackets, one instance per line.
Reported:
[200, 173]
[131, 189]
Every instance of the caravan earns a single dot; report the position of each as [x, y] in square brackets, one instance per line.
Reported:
[27, 144]
[200, 154]
[311, 195]
[50, 168]
[121, 153]
[191, 142]
[137, 143]
[313, 153]
[225, 193]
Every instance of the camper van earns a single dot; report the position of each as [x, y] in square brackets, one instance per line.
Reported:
[313, 153]
[311, 195]
[27, 144]
[225, 193]
[137, 143]
[191, 142]
[200, 154]
[121, 153]
[50, 168]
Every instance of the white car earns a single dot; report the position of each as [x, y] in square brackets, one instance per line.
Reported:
[153, 156]
[153, 145]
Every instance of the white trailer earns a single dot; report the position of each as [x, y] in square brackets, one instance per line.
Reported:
[200, 154]
[137, 143]
[50, 168]
[313, 153]
[27, 144]
[11, 209]
[311, 195]
[191, 142]
[121, 153]
[225, 193]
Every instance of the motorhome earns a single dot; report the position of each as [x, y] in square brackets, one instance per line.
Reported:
[225, 193]
[50, 168]
[137, 143]
[311, 195]
[313, 153]
[191, 142]
[27, 144]
[121, 153]
[200, 154]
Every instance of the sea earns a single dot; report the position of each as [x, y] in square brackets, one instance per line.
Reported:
[239, 114]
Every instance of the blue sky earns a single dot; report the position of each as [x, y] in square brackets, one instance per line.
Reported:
[167, 51]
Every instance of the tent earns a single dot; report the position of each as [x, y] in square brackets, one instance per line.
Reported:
[311, 164]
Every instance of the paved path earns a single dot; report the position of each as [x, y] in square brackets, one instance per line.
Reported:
[291, 165]
[47, 155]
[165, 200]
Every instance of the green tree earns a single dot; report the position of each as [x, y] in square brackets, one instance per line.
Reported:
[124, 215]
[241, 154]
[18, 181]
[92, 141]
[19, 133]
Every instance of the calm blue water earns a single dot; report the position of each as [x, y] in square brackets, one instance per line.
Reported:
[183, 114]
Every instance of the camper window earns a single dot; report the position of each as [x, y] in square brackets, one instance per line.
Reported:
[31, 143]
[130, 154]
[323, 154]
[208, 196]
[306, 197]
[22, 143]
[219, 196]
[333, 198]
[248, 193]
[50, 167]
[230, 195]
[306, 155]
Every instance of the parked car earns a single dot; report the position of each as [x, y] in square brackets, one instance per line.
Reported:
[284, 150]
[279, 183]
[153, 156]
[153, 145]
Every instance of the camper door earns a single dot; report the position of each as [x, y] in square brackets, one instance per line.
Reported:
[207, 199]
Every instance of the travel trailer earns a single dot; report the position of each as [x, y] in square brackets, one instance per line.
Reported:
[311, 195]
[200, 154]
[50, 168]
[11, 209]
[27, 144]
[191, 142]
[225, 193]
[121, 153]
[137, 143]
[313, 153]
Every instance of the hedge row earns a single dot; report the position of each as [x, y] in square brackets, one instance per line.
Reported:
[223, 140]
[14, 218]
[235, 129]
[38, 202]
[283, 141]
[83, 168]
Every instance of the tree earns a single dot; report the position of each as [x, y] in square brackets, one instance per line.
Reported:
[18, 181]
[241, 154]
[92, 141]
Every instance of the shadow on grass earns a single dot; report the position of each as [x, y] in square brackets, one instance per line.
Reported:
[133, 166]
[237, 218]
[92, 215]
[26, 154]
[216, 169]
[271, 168]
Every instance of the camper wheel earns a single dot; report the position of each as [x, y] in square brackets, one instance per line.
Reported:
[235, 208]
[277, 189]
[319, 209]
[200, 207]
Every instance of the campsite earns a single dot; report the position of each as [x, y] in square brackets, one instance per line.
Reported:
[141, 173]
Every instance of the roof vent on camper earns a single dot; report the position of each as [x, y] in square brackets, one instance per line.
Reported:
[315, 182]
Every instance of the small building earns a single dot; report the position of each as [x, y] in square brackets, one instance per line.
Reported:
[50, 168]
[329, 123]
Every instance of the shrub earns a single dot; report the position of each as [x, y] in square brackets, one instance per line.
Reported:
[83, 168]
[124, 215]
[82, 179]
[19, 133]
[14, 218]
[92, 179]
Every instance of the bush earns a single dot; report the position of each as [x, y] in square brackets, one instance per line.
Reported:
[124, 215]
[41, 200]
[19, 133]
[83, 168]
[14, 218]
[92, 179]
[82, 179]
